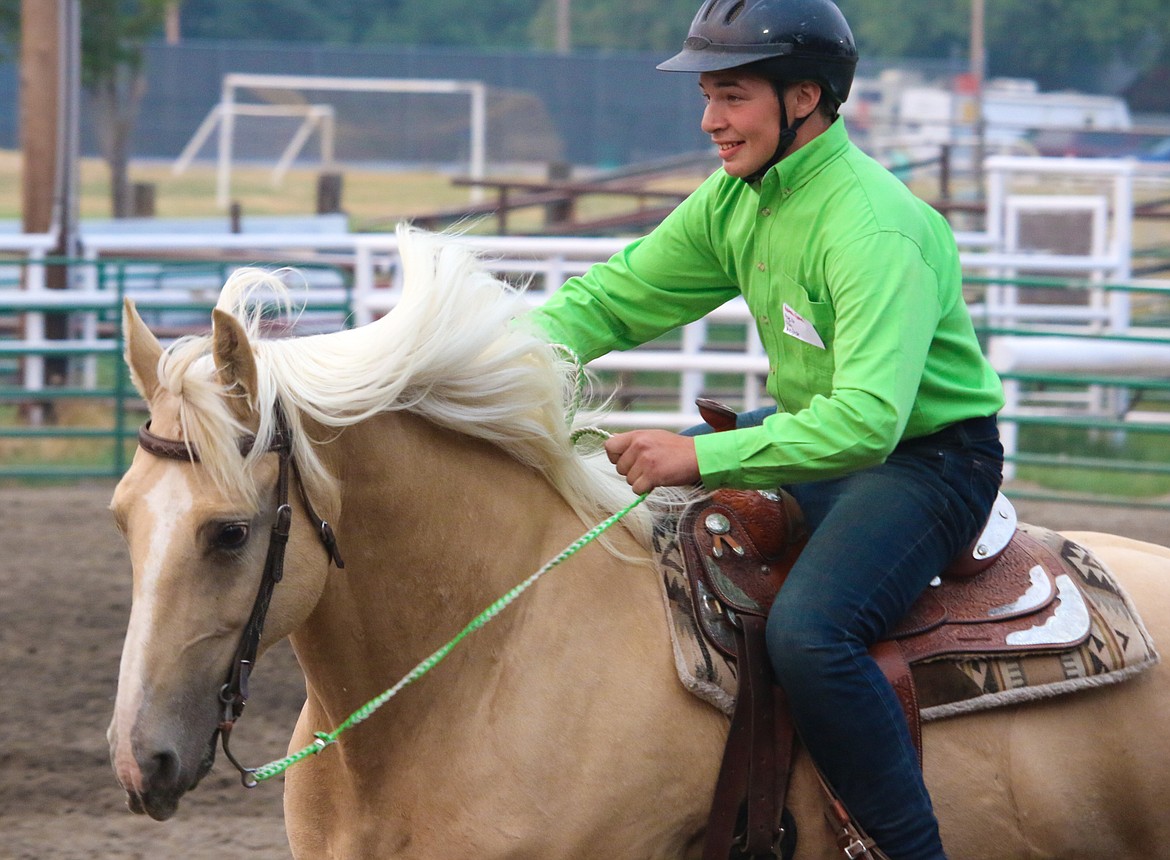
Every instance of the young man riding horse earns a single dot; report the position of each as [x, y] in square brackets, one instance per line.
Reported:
[885, 430]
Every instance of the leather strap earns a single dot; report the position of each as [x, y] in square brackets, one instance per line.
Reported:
[233, 695]
[756, 759]
[853, 842]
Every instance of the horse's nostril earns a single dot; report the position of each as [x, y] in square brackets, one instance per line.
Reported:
[164, 769]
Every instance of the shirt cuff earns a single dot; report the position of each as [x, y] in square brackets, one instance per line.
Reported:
[719, 459]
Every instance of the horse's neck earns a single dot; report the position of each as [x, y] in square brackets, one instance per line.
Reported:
[434, 526]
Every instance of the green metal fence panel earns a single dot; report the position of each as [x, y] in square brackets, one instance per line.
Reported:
[35, 444]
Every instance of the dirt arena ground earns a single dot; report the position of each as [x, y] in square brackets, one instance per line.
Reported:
[64, 602]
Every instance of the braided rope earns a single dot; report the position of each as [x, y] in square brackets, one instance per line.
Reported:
[579, 381]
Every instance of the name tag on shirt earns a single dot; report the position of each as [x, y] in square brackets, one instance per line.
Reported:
[800, 328]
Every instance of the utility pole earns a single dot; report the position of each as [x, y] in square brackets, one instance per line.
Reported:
[40, 25]
[50, 89]
[564, 29]
[172, 23]
[50, 84]
[979, 75]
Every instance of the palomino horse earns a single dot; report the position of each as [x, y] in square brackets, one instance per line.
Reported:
[434, 441]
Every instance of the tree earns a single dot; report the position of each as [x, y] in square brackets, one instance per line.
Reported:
[113, 33]
[1076, 44]
[501, 23]
[281, 20]
[9, 24]
[628, 25]
[1092, 45]
[887, 29]
[1057, 43]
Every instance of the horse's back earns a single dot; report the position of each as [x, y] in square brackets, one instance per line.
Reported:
[1142, 569]
[1105, 544]
[1083, 775]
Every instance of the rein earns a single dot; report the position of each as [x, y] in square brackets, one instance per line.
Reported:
[233, 695]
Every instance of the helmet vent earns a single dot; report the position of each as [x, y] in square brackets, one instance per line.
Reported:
[733, 13]
[707, 10]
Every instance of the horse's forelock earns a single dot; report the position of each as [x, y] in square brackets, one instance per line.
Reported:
[206, 420]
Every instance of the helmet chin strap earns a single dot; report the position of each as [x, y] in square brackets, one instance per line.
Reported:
[787, 136]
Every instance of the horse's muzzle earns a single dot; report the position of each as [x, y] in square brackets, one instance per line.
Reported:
[163, 782]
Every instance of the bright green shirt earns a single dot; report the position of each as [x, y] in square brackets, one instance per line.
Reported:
[855, 287]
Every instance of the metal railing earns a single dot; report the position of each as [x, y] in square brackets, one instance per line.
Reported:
[358, 277]
[175, 295]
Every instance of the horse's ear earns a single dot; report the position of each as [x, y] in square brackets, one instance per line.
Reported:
[142, 351]
[234, 362]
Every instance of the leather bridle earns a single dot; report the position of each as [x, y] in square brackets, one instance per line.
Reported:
[233, 695]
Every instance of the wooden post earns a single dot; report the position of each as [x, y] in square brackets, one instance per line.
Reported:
[48, 70]
[564, 28]
[560, 212]
[502, 215]
[142, 199]
[172, 23]
[328, 193]
[39, 111]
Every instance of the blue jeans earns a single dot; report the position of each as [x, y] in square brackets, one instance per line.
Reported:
[877, 538]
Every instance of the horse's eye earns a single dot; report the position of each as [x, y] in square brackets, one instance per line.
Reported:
[231, 535]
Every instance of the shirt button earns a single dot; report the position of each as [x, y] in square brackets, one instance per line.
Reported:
[765, 320]
[761, 267]
[765, 211]
[787, 191]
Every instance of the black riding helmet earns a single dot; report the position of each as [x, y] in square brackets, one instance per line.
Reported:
[780, 40]
[791, 40]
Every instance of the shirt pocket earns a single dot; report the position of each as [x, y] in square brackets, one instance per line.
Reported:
[807, 321]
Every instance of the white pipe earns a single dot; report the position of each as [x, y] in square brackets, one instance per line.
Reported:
[1078, 355]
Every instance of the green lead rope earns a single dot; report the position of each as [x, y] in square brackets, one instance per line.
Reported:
[325, 739]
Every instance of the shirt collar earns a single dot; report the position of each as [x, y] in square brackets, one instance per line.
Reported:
[796, 169]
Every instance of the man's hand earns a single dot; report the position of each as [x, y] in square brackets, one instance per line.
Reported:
[653, 458]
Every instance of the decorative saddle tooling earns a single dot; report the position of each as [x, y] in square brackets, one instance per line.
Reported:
[1025, 614]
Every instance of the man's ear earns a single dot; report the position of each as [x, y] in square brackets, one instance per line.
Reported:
[807, 95]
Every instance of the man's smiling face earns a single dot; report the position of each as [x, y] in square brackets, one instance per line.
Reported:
[742, 117]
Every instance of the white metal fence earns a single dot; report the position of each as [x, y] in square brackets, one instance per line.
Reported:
[1096, 320]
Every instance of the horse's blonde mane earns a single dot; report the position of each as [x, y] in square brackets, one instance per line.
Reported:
[450, 351]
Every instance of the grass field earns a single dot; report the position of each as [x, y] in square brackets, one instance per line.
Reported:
[373, 199]
[367, 194]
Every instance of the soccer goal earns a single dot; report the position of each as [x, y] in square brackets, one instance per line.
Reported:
[320, 118]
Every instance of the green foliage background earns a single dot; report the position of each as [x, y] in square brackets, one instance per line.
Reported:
[1060, 43]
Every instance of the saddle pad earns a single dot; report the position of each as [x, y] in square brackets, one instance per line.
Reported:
[1117, 648]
